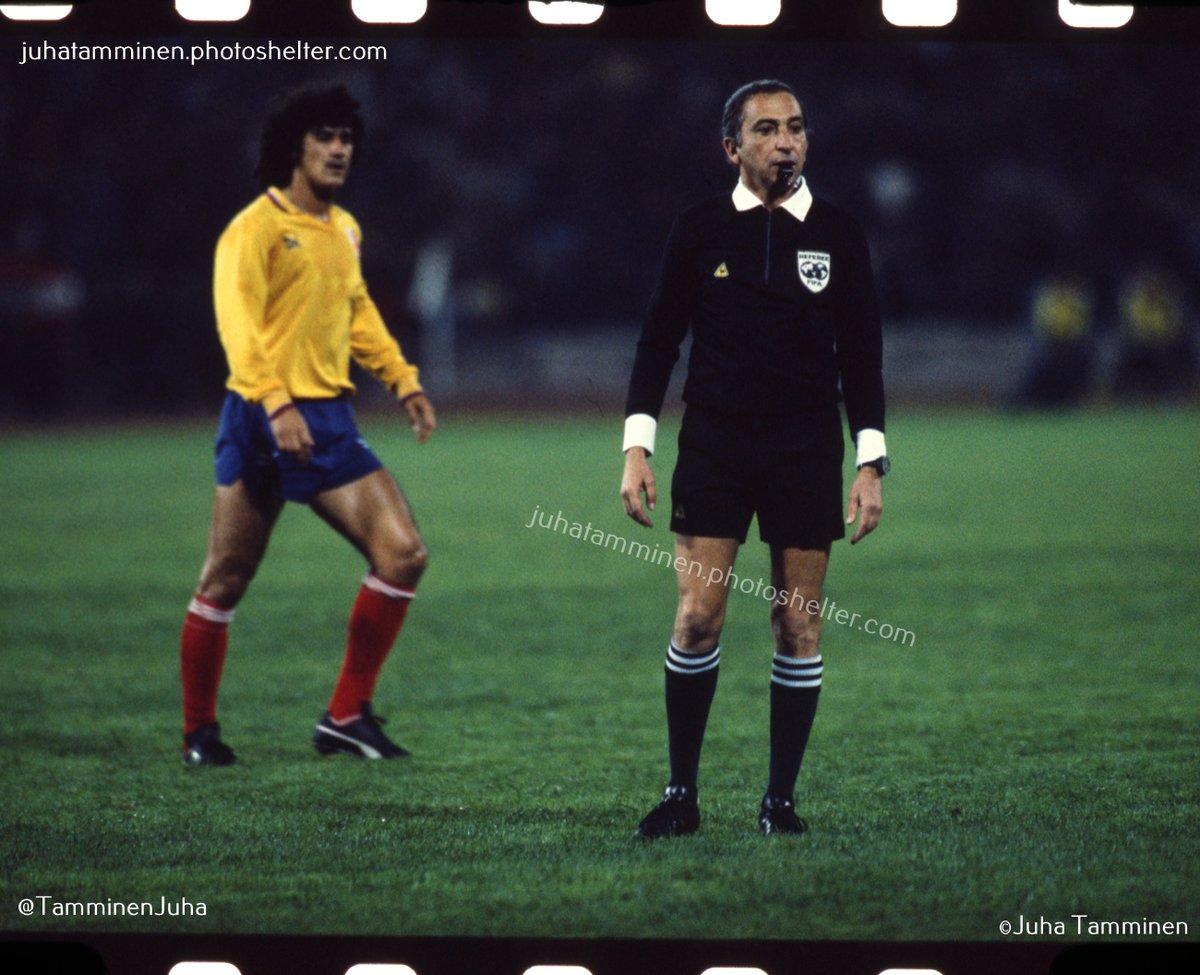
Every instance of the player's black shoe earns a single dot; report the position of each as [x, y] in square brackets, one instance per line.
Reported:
[777, 816]
[362, 737]
[204, 747]
[678, 814]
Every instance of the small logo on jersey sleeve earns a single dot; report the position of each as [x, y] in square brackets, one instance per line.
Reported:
[353, 238]
[814, 269]
[722, 271]
[290, 242]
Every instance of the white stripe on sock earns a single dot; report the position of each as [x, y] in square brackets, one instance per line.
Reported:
[213, 614]
[790, 672]
[373, 582]
[692, 663]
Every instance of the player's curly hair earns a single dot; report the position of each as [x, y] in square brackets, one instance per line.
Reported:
[735, 106]
[295, 114]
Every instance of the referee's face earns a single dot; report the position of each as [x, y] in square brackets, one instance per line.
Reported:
[772, 142]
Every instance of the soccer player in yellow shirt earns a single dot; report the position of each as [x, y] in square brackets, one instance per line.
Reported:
[292, 311]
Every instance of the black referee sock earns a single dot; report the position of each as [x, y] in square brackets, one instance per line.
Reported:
[795, 686]
[691, 682]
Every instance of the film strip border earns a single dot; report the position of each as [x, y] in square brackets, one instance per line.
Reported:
[950, 20]
[278, 955]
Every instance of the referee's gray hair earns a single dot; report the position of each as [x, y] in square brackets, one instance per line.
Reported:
[735, 106]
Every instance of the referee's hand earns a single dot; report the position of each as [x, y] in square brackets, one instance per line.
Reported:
[866, 503]
[638, 478]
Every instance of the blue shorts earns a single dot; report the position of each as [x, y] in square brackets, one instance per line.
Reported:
[246, 451]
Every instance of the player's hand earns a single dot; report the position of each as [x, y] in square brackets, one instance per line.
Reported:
[292, 435]
[866, 500]
[638, 478]
[421, 416]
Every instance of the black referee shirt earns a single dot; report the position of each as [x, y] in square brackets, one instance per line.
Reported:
[781, 310]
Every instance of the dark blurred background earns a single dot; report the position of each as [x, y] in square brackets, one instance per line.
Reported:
[1033, 209]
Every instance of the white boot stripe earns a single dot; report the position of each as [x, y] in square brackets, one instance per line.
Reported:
[366, 749]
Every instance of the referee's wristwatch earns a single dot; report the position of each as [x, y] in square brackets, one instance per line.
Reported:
[881, 464]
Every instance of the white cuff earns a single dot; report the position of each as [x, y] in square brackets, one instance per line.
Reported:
[870, 446]
[640, 429]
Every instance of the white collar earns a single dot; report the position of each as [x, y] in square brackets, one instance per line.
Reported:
[798, 204]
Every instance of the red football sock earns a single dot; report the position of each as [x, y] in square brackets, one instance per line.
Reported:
[201, 657]
[375, 623]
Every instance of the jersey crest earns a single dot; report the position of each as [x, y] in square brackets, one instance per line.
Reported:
[814, 269]
[722, 271]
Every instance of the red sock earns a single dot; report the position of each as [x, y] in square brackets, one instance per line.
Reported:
[201, 657]
[375, 623]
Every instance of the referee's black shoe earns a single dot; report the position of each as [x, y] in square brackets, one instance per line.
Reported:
[204, 747]
[362, 737]
[678, 814]
[777, 817]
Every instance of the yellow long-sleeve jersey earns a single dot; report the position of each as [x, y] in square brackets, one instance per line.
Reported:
[292, 307]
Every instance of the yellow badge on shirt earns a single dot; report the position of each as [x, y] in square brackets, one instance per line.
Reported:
[722, 271]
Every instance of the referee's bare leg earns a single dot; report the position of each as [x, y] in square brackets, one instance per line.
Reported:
[702, 586]
[799, 574]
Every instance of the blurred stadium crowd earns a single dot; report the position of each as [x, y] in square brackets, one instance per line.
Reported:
[524, 189]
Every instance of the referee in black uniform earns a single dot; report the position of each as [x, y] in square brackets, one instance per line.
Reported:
[776, 286]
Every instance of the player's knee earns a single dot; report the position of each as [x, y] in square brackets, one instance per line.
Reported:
[225, 581]
[797, 633]
[403, 561]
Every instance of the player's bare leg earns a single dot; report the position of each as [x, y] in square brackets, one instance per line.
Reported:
[690, 681]
[237, 540]
[241, 527]
[798, 575]
[374, 516]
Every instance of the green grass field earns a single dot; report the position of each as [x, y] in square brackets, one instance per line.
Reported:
[1032, 752]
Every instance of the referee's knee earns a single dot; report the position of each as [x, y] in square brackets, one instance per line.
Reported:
[697, 628]
[797, 634]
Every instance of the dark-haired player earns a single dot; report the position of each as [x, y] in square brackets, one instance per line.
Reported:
[292, 311]
[776, 287]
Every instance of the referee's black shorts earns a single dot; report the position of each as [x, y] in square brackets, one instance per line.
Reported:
[787, 470]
